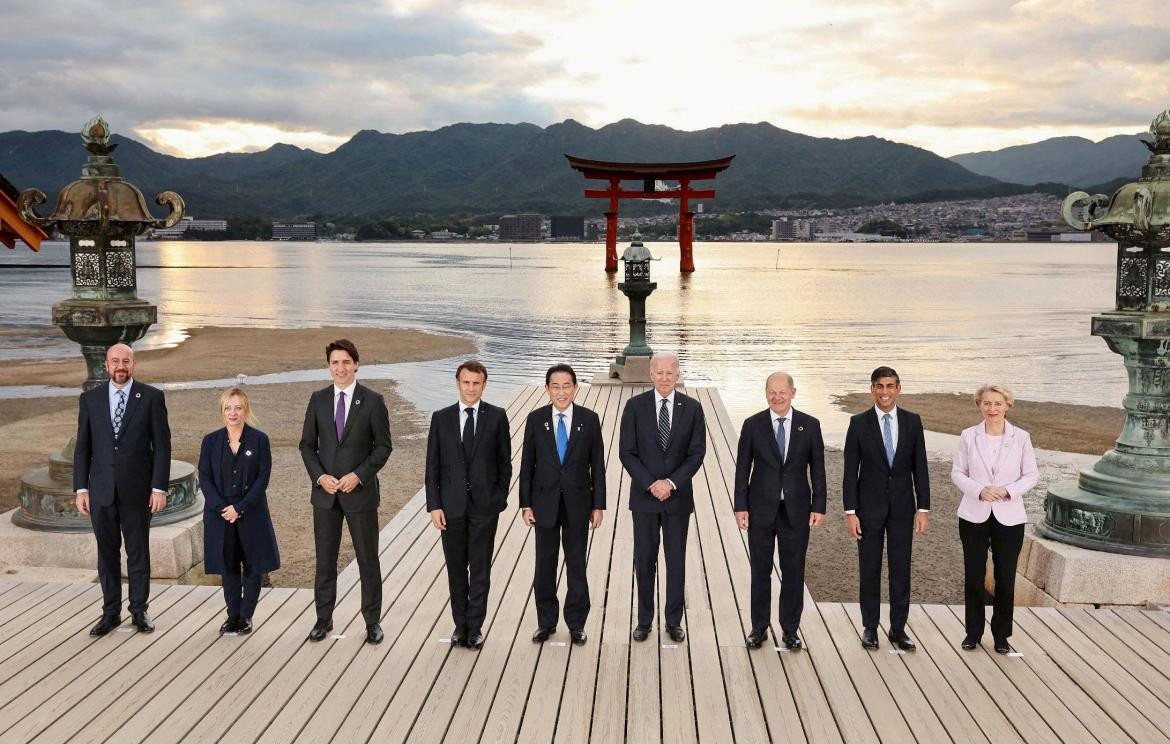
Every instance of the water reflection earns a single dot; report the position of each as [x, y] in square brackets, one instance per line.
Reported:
[947, 316]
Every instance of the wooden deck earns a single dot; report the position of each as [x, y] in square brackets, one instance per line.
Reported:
[1084, 675]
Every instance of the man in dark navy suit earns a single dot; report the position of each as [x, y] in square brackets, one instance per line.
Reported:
[469, 469]
[886, 490]
[562, 493]
[121, 471]
[663, 442]
[779, 497]
[345, 441]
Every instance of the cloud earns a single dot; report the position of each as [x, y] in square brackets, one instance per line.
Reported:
[951, 75]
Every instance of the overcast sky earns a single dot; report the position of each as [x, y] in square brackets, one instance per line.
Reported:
[194, 78]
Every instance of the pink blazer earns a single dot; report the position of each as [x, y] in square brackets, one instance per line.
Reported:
[1014, 469]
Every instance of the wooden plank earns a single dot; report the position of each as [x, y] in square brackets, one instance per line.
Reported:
[1064, 690]
[76, 614]
[1145, 660]
[191, 652]
[927, 702]
[28, 603]
[1161, 617]
[1142, 623]
[967, 687]
[1130, 678]
[22, 589]
[55, 693]
[1088, 678]
[201, 692]
[35, 614]
[1026, 680]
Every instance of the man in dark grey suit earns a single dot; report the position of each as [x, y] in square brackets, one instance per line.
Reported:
[469, 469]
[662, 445]
[562, 494]
[121, 471]
[344, 443]
[779, 496]
[886, 490]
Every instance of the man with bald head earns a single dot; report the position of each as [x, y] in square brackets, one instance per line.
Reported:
[779, 497]
[121, 471]
[663, 442]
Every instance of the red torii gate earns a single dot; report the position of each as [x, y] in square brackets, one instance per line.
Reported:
[648, 173]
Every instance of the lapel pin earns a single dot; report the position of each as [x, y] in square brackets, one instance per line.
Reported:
[138, 395]
[357, 402]
[578, 427]
[800, 428]
[546, 426]
[247, 453]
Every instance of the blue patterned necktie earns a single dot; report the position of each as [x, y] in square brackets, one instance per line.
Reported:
[888, 438]
[780, 437]
[562, 437]
[664, 425]
[119, 412]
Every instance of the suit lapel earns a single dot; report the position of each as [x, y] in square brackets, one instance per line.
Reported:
[577, 432]
[795, 435]
[103, 404]
[133, 396]
[359, 393]
[875, 428]
[903, 426]
[981, 448]
[548, 430]
[1004, 444]
[484, 411]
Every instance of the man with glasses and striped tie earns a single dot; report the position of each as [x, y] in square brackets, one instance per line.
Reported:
[562, 494]
[121, 471]
[886, 490]
[663, 442]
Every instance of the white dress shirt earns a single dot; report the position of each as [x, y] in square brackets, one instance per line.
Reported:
[568, 413]
[669, 406]
[348, 398]
[463, 417]
[786, 422]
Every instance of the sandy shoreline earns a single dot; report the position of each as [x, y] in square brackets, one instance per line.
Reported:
[32, 428]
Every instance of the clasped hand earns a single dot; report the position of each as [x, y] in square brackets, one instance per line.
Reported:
[994, 493]
[230, 514]
[345, 484]
[661, 489]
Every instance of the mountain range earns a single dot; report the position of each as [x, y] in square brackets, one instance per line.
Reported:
[1072, 160]
[491, 169]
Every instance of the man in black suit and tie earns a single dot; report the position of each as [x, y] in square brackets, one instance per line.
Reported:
[779, 497]
[886, 490]
[562, 493]
[663, 442]
[469, 469]
[344, 443]
[121, 471]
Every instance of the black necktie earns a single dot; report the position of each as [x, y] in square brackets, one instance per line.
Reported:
[468, 432]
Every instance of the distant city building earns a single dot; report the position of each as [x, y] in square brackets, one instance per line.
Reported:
[568, 228]
[521, 227]
[294, 230]
[443, 234]
[594, 231]
[189, 225]
[791, 229]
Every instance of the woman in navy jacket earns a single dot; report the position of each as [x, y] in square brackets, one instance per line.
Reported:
[239, 541]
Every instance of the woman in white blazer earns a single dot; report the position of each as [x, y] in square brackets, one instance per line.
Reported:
[994, 467]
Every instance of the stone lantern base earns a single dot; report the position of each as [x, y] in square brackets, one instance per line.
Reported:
[631, 369]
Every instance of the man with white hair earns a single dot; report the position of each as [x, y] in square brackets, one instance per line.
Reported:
[663, 442]
[121, 471]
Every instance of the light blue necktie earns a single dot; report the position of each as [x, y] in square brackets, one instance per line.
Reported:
[562, 437]
[888, 437]
[780, 437]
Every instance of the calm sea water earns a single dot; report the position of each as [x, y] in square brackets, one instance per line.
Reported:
[947, 316]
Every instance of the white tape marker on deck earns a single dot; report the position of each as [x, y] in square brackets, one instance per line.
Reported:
[444, 640]
[1015, 653]
[782, 648]
[123, 630]
[897, 652]
[338, 637]
[670, 645]
[556, 643]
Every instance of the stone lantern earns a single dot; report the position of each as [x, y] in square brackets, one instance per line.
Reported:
[633, 364]
[101, 214]
[1122, 503]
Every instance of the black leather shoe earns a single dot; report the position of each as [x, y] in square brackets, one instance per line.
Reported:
[374, 633]
[320, 629]
[474, 640]
[792, 642]
[578, 637]
[231, 625]
[676, 633]
[244, 627]
[1002, 646]
[969, 643]
[901, 640]
[641, 632]
[541, 635]
[141, 621]
[459, 637]
[757, 637]
[869, 639]
[105, 625]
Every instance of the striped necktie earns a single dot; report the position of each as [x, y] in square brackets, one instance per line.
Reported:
[664, 425]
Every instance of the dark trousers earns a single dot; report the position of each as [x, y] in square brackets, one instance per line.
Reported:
[896, 535]
[762, 539]
[651, 528]
[1005, 543]
[241, 588]
[363, 530]
[468, 545]
[544, 583]
[128, 519]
